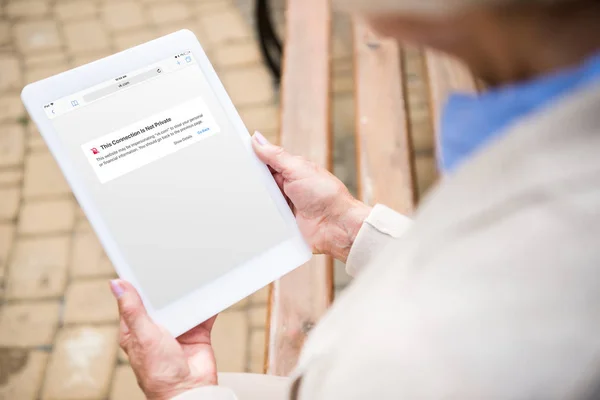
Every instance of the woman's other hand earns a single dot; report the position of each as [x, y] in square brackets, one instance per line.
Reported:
[327, 214]
[164, 366]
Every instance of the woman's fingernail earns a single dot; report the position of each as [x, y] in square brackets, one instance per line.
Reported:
[116, 288]
[260, 138]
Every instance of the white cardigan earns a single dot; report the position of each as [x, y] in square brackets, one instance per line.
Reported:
[492, 293]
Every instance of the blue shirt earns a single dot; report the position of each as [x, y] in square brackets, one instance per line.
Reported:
[470, 121]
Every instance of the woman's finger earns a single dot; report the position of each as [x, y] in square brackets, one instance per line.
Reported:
[278, 159]
[279, 180]
[132, 310]
[199, 334]
[123, 335]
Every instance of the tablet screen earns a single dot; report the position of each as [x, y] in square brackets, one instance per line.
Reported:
[169, 176]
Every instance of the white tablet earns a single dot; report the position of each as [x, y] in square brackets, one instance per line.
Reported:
[163, 167]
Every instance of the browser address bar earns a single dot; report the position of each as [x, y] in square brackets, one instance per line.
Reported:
[126, 83]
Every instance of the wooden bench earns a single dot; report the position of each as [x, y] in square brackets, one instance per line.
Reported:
[399, 94]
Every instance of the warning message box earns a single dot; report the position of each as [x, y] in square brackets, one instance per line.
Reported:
[150, 139]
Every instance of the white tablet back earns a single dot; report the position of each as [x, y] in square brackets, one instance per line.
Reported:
[162, 166]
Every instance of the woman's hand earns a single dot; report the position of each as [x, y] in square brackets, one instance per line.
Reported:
[327, 214]
[164, 366]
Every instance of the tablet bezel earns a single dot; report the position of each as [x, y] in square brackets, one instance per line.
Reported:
[198, 306]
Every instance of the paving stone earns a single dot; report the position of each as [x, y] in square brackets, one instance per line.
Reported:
[45, 59]
[12, 144]
[7, 235]
[257, 351]
[422, 136]
[29, 324]
[88, 258]
[38, 268]
[343, 116]
[341, 48]
[413, 57]
[130, 39]
[124, 15]
[82, 364]
[247, 86]
[90, 302]
[34, 36]
[344, 157]
[343, 84]
[149, 2]
[22, 373]
[86, 36]
[203, 7]
[46, 216]
[26, 8]
[242, 304]
[260, 297]
[35, 141]
[418, 101]
[427, 174]
[343, 66]
[166, 29]
[82, 59]
[260, 118]
[4, 33]
[79, 211]
[43, 177]
[125, 386]
[237, 53]
[9, 203]
[74, 10]
[229, 338]
[198, 31]
[165, 13]
[224, 26]
[10, 78]
[12, 177]
[83, 225]
[35, 74]
[419, 113]
[11, 108]
[106, 265]
[258, 316]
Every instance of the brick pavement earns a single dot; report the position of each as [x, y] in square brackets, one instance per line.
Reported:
[57, 319]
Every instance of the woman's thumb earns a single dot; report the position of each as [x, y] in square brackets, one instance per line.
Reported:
[131, 307]
[263, 148]
[274, 156]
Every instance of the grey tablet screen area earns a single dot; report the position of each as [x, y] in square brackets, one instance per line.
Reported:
[169, 176]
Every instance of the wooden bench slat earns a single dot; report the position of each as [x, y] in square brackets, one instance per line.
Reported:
[382, 137]
[298, 300]
[446, 75]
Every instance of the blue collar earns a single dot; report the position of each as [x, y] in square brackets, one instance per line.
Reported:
[471, 121]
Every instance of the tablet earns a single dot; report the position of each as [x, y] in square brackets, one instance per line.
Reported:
[162, 165]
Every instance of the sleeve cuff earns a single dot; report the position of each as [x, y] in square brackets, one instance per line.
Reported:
[381, 227]
[207, 393]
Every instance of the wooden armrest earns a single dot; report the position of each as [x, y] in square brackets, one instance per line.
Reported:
[298, 300]
[385, 173]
